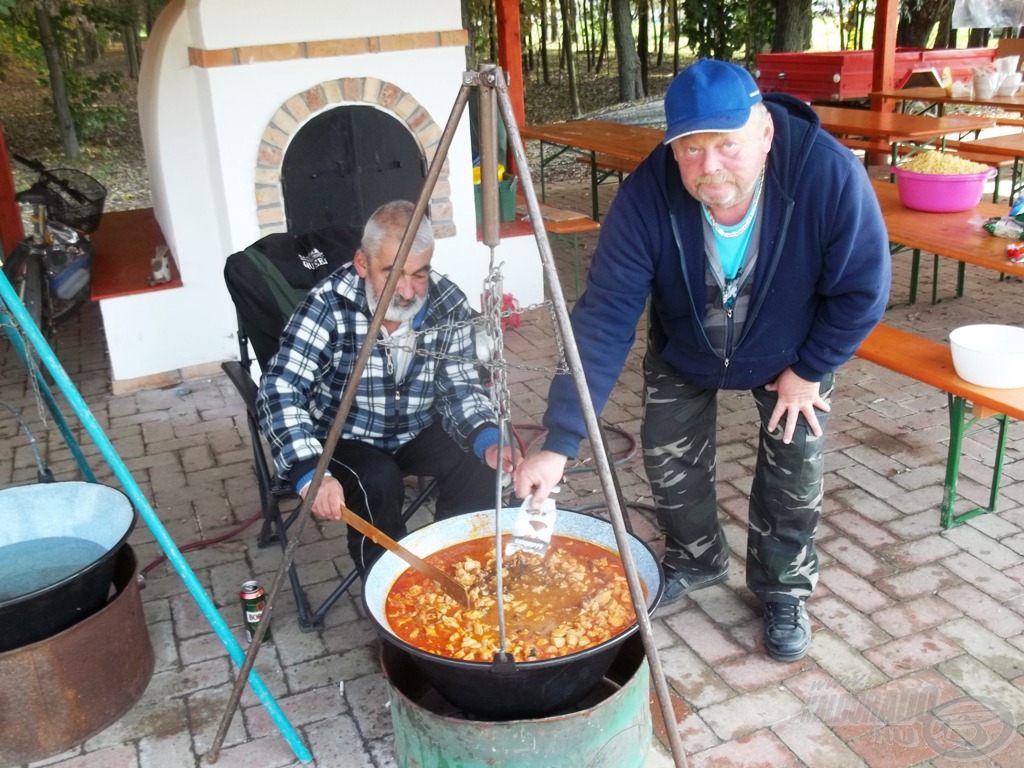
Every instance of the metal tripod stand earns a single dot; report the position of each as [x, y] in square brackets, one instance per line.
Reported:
[493, 91]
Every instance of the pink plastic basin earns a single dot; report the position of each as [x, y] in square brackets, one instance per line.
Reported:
[941, 193]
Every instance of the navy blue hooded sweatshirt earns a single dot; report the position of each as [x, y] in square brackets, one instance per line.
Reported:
[821, 280]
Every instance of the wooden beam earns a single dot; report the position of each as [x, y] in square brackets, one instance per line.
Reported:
[510, 59]
[882, 76]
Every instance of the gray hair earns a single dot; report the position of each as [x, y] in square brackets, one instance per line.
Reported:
[389, 222]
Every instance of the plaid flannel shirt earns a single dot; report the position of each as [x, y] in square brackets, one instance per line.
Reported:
[302, 387]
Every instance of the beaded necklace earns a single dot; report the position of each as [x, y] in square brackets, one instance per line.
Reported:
[744, 225]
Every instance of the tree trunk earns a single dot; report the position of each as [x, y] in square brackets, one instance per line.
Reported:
[917, 20]
[590, 20]
[675, 36]
[570, 66]
[792, 26]
[545, 69]
[61, 107]
[643, 43]
[604, 36]
[978, 38]
[631, 86]
[946, 35]
[661, 32]
[131, 52]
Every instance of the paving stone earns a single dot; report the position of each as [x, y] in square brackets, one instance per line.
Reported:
[704, 637]
[761, 748]
[847, 665]
[984, 577]
[854, 590]
[915, 615]
[912, 653]
[928, 578]
[848, 624]
[898, 746]
[900, 701]
[855, 557]
[814, 743]
[744, 714]
[984, 547]
[994, 616]
[693, 680]
[122, 756]
[988, 648]
[159, 752]
[928, 549]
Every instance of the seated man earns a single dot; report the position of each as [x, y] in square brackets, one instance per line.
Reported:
[420, 408]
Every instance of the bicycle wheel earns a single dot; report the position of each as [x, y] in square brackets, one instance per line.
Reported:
[24, 270]
[61, 309]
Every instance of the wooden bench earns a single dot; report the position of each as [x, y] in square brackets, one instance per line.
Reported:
[1017, 122]
[932, 363]
[959, 148]
[610, 164]
[567, 224]
[602, 166]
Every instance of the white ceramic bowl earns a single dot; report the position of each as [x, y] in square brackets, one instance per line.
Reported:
[989, 355]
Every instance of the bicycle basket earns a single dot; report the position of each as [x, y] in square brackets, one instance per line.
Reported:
[75, 198]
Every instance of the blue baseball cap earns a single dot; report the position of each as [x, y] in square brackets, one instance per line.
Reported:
[709, 96]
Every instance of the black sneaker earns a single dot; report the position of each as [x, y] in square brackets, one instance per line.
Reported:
[681, 581]
[787, 630]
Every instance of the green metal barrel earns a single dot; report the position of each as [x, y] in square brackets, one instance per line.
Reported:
[611, 727]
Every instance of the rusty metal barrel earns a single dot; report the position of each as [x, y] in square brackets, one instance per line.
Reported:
[57, 692]
[611, 727]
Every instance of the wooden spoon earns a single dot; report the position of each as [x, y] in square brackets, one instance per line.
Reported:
[451, 587]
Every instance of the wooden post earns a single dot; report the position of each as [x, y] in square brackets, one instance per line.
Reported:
[510, 59]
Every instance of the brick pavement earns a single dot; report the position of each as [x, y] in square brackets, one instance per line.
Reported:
[918, 651]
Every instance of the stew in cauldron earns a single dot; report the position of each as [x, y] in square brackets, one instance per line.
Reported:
[573, 598]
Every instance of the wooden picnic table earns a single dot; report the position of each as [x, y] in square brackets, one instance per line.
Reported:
[957, 236]
[896, 127]
[591, 138]
[940, 98]
[1008, 145]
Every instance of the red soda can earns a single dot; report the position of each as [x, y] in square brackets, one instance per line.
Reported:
[253, 602]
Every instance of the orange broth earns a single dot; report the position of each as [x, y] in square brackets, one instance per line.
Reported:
[573, 598]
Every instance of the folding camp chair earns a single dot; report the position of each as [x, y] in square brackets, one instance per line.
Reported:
[267, 281]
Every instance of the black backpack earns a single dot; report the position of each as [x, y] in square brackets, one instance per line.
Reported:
[268, 279]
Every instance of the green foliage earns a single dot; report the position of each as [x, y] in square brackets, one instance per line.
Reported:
[756, 28]
[712, 27]
[92, 110]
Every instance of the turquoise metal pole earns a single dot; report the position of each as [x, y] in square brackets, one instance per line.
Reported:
[44, 391]
[64, 383]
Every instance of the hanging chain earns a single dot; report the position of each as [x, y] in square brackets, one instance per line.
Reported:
[493, 298]
[30, 363]
[407, 341]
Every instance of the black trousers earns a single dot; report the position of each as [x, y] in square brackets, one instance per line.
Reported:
[374, 487]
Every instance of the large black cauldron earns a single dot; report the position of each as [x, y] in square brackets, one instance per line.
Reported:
[58, 547]
[526, 689]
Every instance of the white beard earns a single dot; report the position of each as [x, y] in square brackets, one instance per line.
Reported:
[396, 313]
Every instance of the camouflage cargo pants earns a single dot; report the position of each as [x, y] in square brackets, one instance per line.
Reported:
[678, 437]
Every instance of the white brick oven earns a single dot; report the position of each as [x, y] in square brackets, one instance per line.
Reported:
[225, 86]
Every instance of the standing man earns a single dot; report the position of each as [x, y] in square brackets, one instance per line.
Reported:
[759, 240]
[420, 408]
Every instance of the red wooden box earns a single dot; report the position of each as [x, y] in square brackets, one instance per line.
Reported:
[842, 75]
